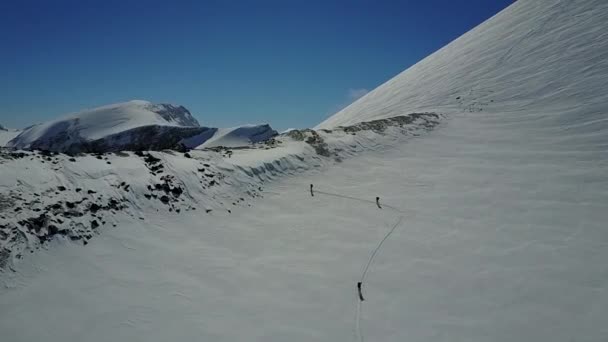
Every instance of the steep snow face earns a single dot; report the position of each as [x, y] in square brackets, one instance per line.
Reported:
[533, 57]
[101, 122]
[239, 136]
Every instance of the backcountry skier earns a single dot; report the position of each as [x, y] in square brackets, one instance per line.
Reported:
[359, 284]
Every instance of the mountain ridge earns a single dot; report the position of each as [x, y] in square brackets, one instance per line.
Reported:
[132, 125]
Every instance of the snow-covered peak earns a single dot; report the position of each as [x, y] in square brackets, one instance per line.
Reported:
[139, 102]
[232, 137]
[534, 54]
[101, 122]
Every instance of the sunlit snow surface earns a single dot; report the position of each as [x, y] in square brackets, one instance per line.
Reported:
[6, 136]
[536, 55]
[101, 122]
[504, 238]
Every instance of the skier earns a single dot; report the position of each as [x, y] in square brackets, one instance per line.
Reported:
[359, 284]
[378, 202]
[311, 192]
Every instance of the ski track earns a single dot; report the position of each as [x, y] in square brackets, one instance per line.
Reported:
[485, 257]
[506, 241]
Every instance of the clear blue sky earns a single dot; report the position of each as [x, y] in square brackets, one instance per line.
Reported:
[287, 62]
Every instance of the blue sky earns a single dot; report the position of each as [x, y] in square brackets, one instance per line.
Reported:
[289, 63]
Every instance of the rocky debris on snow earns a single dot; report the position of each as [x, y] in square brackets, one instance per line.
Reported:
[426, 120]
[7, 154]
[76, 211]
[52, 220]
[5, 256]
[169, 191]
[312, 138]
[30, 223]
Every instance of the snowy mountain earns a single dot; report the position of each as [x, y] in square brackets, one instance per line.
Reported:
[463, 200]
[531, 58]
[232, 137]
[113, 127]
[134, 125]
[62, 195]
[7, 135]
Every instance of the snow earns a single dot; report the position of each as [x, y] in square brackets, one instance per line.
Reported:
[503, 234]
[7, 135]
[46, 195]
[239, 136]
[487, 249]
[534, 56]
[102, 122]
[133, 125]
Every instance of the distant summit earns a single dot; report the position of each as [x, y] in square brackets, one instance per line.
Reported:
[133, 125]
[173, 114]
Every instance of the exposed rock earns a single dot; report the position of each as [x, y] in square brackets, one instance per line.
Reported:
[94, 207]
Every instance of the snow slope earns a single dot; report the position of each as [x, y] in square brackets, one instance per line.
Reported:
[7, 135]
[502, 213]
[134, 125]
[503, 238]
[101, 122]
[239, 136]
[536, 56]
[46, 196]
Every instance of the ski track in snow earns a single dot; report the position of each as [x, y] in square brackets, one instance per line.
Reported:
[448, 272]
[503, 235]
